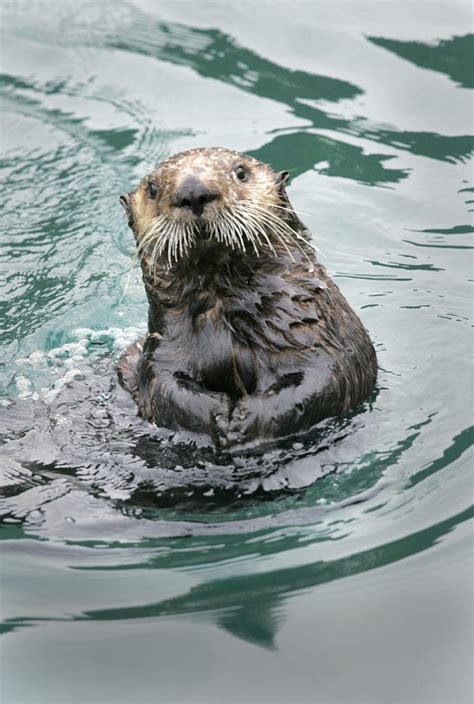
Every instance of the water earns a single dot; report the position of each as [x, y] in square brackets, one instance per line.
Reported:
[333, 570]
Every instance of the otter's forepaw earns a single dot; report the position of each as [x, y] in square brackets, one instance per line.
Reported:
[240, 428]
[221, 429]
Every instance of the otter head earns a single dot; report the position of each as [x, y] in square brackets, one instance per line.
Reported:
[209, 195]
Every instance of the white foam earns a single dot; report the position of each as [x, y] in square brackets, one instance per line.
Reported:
[61, 383]
[24, 386]
[64, 363]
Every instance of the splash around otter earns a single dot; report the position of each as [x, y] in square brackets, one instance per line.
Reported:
[248, 338]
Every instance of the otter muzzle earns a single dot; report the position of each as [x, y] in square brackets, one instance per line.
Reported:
[193, 194]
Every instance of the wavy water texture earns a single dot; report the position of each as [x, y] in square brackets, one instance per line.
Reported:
[450, 56]
[318, 565]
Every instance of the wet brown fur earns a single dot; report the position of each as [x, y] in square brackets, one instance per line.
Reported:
[245, 343]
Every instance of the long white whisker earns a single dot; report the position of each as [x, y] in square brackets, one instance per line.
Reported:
[282, 223]
[285, 233]
[235, 231]
[172, 243]
[259, 227]
[288, 238]
[291, 210]
[131, 268]
[242, 216]
[275, 231]
[159, 246]
[283, 226]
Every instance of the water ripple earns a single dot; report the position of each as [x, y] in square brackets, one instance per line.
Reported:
[92, 96]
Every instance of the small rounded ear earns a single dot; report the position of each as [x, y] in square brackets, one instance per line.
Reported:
[125, 201]
[282, 178]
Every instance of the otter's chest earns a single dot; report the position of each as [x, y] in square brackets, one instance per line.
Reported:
[209, 345]
[232, 339]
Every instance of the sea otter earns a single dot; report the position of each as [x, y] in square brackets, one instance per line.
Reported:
[248, 338]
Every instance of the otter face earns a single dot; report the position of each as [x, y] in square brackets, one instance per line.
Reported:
[208, 194]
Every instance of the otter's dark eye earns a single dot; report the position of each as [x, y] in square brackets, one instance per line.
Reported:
[241, 173]
[152, 190]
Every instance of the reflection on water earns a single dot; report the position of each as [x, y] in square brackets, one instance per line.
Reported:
[213, 54]
[115, 521]
[450, 56]
[248, 606]
[297, 151]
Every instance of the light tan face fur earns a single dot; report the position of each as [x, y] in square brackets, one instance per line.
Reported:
[240, 215]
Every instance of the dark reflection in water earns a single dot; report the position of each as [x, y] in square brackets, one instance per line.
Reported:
[254, 600]
[450, 56]
[460, 444]
[251, 606]
[213, 54]
[456, 230]
[216, 55]
[298, 152]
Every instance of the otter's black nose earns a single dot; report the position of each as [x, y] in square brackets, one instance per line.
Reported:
[192, 193]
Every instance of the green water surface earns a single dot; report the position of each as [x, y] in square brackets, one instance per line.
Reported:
[334, 572]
